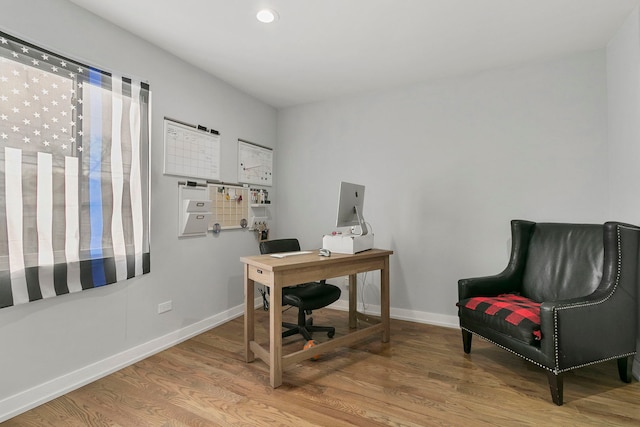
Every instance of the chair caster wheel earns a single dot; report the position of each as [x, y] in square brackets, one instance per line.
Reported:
[331, 334]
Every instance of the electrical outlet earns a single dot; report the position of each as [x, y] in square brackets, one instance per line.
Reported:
[164, 307]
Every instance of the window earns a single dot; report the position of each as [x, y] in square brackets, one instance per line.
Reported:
[74, 175]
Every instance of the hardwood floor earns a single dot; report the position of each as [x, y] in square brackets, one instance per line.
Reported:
[421, 378]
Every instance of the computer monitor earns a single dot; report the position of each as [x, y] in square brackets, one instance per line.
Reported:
[350, 206]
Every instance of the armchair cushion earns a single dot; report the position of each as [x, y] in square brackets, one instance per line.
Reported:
[510, 314]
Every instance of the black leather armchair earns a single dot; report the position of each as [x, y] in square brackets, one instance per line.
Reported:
[306, 297]
[567, 298]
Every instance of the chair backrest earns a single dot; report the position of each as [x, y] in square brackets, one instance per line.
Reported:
[563, 261]
[279, 245]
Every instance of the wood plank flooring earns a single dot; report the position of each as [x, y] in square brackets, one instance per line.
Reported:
[421, 378]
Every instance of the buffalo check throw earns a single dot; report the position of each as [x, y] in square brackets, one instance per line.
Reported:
[514, 309]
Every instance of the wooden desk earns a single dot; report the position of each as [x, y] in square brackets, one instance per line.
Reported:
[277, 273]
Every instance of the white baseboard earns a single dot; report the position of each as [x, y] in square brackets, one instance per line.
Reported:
[402, 314]
[42, 393]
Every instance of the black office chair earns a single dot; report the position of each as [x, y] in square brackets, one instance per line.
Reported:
[306, 296]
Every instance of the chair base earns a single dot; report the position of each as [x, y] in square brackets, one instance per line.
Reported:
[307, 330]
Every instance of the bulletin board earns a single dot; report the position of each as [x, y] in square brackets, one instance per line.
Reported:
[229, 206]
[191, 152]
[255, 164]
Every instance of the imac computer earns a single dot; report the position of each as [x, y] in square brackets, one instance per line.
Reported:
[350, 214]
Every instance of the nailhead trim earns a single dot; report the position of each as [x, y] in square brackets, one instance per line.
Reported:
[555, 369]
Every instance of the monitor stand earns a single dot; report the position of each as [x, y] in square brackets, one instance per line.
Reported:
[348, 243]
[361, 222]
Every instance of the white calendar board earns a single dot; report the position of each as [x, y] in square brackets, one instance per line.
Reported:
[255, 164]
[191, 152]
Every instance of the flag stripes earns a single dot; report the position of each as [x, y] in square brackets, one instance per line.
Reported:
[74, 173]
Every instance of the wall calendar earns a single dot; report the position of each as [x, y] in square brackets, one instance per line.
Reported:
[191, 152]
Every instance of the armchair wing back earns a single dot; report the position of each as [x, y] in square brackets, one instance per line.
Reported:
[567, 298]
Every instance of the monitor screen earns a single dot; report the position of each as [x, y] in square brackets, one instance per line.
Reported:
[350, 206]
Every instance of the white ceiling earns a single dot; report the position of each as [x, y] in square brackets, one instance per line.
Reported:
[321, 49]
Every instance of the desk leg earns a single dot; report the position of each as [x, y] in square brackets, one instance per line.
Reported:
[384, 301]
[353, 301]
[275, 335]
[249, 319]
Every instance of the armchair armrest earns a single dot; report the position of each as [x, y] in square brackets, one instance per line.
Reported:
[571, 327]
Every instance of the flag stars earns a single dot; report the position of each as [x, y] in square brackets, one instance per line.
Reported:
[54, 69]
[3, 40]
[15, 110]
[26, 139]
[4, 98]
[46, 143]
[63, 64]
[4, 117]
[4, 136]
[15, 73]
[4, 79]
[26, 122]
[15, 91]
[45, 57]
[26, 103]
[35, 62]
[15, 128]
[25, 49]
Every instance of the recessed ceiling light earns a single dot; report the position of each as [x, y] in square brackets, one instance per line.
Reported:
[267, 16]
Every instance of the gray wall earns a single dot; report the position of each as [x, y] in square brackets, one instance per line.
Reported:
[623, 85]
[446, 165]
[59, 339]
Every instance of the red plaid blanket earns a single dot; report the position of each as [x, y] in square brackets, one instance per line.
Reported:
[514, 309]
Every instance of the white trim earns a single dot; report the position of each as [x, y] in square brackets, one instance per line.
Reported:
[435, 319]
[42, 393]
[45, 392]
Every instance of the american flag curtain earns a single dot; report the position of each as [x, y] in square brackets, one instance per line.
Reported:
[74, 175]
